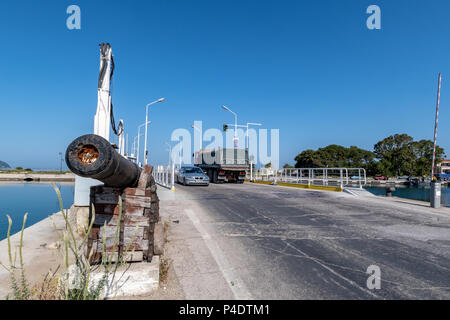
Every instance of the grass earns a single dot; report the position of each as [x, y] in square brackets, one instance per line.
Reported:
[75, 283]
[164, 266]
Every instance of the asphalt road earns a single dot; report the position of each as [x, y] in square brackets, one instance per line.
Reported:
[286, 243]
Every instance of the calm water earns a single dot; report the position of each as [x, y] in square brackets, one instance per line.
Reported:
[38, 199]
[415, 193]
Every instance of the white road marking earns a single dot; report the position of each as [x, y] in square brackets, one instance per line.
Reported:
[235, 283]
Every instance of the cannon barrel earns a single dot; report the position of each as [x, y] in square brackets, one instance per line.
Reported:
[92, 156]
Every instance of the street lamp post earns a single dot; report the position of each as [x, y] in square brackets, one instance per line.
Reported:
[146, 128]
[235, 125]
[199, 146]
[250, 124]
[170, 152]
[200, 131]
[181, 149]
[135, 149]
[61, 162]
[139, 135]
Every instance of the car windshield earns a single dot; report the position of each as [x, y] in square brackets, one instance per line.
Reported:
[192, 170]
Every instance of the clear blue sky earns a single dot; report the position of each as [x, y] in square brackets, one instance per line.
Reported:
[310, 68]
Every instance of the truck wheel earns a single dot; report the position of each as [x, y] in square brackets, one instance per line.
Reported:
[215, 173]
[210, 175]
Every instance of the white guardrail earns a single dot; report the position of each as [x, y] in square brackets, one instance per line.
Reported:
[341, 177]
[165, 176]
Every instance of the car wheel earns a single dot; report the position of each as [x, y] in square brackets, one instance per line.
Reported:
[184, 181]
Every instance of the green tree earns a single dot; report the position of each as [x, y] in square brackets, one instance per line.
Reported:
[308, 159]
[423, 152]
[268, 165]
[400, 155]
[335, 156]
[397, 153]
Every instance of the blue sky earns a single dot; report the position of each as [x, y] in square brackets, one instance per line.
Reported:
[310, 68]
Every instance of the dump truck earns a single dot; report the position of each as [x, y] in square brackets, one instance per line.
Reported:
[223, 164]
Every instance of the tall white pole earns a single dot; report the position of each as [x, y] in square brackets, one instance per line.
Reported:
[235, 131]
[138, 149]
[200, 134]
[436, 126]
[102, 118]
[121, 139]
[145, 139]
[170, 152]
[246, 138]
[146, 128]
[102, 122]
[138, 144]
[235, 126]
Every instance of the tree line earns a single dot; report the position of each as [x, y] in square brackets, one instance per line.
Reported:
[396, 155]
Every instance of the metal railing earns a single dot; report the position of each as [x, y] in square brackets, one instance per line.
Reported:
[340, 177]
[165, 176]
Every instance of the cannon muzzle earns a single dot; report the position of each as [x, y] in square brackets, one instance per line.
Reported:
[92, 156]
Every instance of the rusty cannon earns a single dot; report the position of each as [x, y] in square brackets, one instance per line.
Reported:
[92, 156]
[129, 192]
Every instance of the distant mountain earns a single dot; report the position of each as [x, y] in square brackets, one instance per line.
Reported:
[4, 165]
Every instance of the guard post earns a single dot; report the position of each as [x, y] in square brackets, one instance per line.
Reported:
[435, 194]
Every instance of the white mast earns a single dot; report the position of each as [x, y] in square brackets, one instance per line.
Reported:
[102, 121]
[102, 118]
[121, 139]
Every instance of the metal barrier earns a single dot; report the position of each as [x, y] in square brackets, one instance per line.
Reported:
[165, 176]
[340, 177]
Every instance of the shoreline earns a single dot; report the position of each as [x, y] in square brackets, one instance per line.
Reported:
[38, 177]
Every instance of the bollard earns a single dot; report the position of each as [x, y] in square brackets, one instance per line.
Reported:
[389, 191]
[435, 194]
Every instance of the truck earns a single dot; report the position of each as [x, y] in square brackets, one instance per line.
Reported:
[223, 164]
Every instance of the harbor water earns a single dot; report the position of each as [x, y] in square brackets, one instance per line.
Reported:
[38, 199]
[421, 193]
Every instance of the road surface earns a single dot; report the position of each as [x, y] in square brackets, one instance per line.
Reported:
[263, 242]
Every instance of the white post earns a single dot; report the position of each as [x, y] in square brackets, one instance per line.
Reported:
[121, 139]
[359, 178]
[173, 177]
[102, 121]
[138, 148]
[145, 139]
[127, 147]
[181, 149]
[146, 127]
[102, 118]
